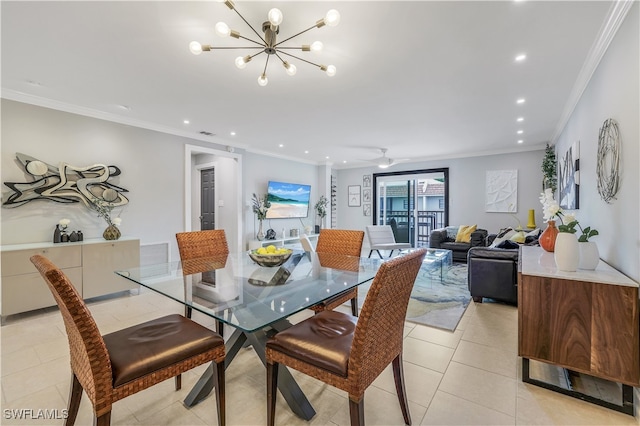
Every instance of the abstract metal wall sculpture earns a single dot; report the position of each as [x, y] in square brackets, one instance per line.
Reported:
[63, 184]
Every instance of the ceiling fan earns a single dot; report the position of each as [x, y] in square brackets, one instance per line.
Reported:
[384, 161]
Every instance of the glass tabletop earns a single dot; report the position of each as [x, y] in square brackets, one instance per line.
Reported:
[237, 291]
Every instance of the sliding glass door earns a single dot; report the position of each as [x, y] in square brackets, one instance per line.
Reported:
[412, 202]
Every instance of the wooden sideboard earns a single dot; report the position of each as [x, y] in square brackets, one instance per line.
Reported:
[89, 264]
[584, 321]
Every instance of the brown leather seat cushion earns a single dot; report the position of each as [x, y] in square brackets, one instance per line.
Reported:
[323, 340]
[153, 345]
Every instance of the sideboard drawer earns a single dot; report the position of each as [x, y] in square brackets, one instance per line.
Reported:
[16, 262]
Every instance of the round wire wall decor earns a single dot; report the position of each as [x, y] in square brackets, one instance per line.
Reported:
[608, 167]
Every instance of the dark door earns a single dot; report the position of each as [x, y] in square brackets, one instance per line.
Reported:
[207, 199]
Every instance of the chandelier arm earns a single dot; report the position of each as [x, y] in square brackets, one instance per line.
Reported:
[252, 41]
[232, 48]
[266, 63]
[301, 59]
[250, 26]
[296, 35]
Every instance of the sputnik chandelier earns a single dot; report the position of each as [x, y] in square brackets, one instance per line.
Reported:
[269, 44]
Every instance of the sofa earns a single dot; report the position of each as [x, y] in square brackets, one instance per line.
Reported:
[493, 273]
[445, 238]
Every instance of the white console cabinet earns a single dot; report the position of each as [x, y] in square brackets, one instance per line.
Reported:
[280, 242]
[89, 264]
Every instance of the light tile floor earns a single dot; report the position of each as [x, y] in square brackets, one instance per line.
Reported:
[467, 377]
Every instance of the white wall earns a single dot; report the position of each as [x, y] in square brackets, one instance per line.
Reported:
[258, 170]
[613, 92]
[467, 183]
[152, 165]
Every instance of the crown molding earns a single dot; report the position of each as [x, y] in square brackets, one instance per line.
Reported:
[13, 95]
[616, 16]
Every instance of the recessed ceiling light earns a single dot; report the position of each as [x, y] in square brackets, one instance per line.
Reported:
[232, 133]
[520, 132]
[344, 161]
[306, 152]
[520, 101]
[327, 157]
[521, 57]
[186, 121]
[281, 145]
[520, 141]
[124, 107]
[519, 119]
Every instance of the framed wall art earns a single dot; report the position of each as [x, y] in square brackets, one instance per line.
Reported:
[366, 181]
[366, 209]
[569, 178]
[354, 193]
[366, 195]
[502, 191]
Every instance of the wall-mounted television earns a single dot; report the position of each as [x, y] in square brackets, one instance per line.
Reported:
[288, 200]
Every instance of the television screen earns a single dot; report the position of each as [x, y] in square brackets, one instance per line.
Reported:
[288, 200]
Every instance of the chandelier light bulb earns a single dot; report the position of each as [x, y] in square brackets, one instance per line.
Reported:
[222, 29]
[195, 47]
[291, 69]
[332, 18]
[240, 62]
[316, 46]
[262, 80]
[331, 70]
[275, 17]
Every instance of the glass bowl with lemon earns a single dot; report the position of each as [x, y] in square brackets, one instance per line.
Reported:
[270, 255]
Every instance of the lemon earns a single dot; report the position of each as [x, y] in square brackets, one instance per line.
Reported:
[271, 248]
[261, 250]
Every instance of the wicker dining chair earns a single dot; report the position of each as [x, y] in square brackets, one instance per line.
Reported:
[119, 364]
[344, 242]
[348, 352]
[194, 245]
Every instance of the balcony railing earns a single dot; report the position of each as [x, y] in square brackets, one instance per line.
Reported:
[427, 220]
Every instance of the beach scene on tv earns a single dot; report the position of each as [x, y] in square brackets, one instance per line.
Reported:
[288, 200]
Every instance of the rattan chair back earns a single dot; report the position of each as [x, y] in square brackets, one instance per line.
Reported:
[202, 244]
[89, 356]
[340, 241]
[378, 336]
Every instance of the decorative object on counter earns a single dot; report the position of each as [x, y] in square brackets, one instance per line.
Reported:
[73, 237]
[608, 166]
[531, 222]
[57, 234]
[104, 206]
[64, 184]
[260, 206]
[294, 232]
[589, 255]
[549, 170]
[321, 211]
[566, 253]
[62, 227]
[270, 234]
[547, 239]
[80, 236]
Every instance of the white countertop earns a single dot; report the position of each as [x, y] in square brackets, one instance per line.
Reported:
[538, 262]
[50, 244]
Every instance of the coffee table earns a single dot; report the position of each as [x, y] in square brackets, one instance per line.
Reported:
[437, 258]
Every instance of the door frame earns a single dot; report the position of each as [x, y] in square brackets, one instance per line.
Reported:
[190, 152]
[443, 170]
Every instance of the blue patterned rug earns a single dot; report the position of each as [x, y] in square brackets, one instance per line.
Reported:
[434, 302]
[440, 303]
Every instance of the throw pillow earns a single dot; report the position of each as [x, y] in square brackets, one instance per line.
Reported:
[452, 232]
[464, 233]
[518, 237]
[505, 236]
[534, 233]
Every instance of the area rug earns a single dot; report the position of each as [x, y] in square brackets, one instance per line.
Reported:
[433, 302]
[439, 303]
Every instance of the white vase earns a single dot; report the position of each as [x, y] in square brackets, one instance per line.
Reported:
[589, 255]
[566, 252]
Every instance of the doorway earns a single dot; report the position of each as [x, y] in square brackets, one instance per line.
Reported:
[413, 203]
[207, 199]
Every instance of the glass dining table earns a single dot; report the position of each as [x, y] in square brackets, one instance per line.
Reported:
[256, 301]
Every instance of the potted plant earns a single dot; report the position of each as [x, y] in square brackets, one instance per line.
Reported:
[549, 169]
[321, 211]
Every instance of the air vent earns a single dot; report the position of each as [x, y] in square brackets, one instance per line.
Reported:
[204, 132]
